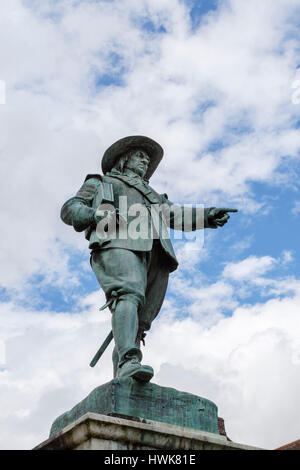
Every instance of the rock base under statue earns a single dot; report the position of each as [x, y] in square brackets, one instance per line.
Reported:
[128, 398]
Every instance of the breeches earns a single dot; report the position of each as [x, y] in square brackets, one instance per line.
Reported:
[141, 277]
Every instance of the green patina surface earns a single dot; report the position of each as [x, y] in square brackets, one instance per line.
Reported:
[132, 267]
[148, 401]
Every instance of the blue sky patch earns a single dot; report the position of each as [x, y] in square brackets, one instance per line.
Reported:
[148, 25]
[114, 72]
[199, 8]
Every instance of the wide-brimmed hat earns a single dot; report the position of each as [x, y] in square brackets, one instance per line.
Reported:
[116, 150]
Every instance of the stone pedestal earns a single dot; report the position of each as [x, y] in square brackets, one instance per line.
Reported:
[98, 432]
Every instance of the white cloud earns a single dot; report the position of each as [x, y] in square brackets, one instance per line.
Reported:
[286, 257]
[296, 208]
[249, 268]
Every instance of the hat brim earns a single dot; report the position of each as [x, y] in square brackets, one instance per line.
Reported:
[116, 150]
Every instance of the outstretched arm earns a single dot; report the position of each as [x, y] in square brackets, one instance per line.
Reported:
[192, 218]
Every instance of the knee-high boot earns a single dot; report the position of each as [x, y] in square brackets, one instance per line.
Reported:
[125, 328]
[127, 346]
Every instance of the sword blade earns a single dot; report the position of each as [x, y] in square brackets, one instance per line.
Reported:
[101, 349]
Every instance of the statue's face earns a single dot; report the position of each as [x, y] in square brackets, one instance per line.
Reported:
[139, 162]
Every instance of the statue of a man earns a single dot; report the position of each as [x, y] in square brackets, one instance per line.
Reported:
[132, 270]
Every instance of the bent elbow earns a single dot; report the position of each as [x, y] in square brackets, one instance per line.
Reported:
[66, 213]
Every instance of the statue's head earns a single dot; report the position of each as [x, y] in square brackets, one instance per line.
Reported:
[136, 160]
[138, 153]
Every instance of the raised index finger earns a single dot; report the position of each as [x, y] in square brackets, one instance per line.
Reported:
[224, 209]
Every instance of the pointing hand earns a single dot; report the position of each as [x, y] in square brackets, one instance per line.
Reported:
[217, 217]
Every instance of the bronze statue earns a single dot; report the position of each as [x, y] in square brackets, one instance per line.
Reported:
[132, 267]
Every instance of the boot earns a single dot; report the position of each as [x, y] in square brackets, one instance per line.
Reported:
[125, 329]
[131, 367]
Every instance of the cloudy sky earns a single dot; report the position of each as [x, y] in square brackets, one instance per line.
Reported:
[217, 83]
